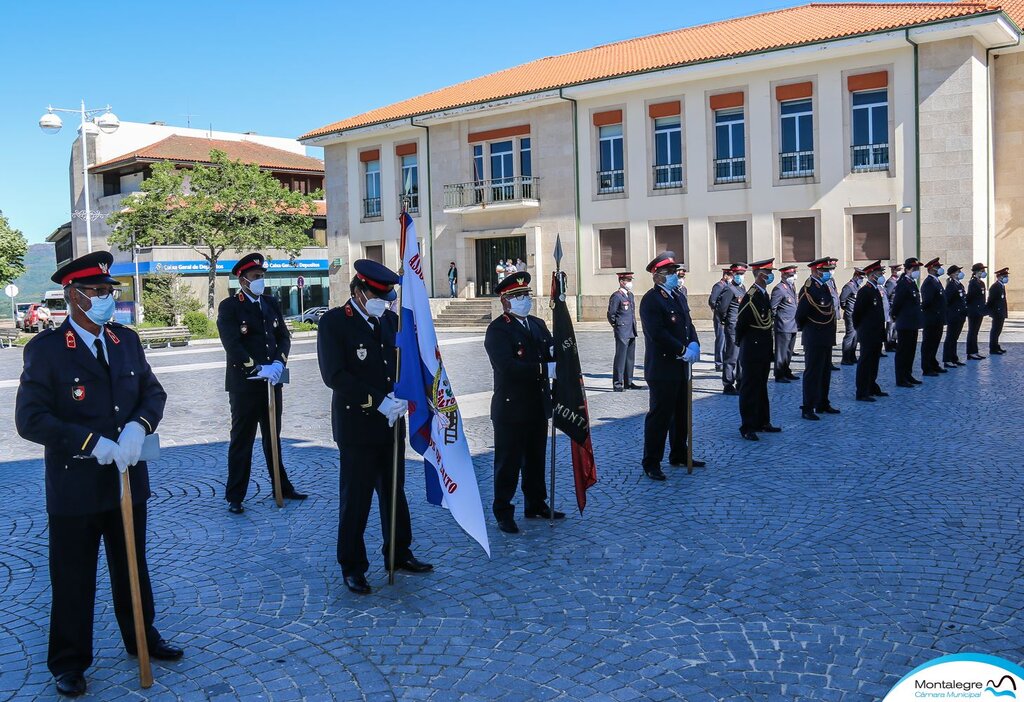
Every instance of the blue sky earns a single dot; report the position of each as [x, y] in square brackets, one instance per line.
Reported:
[278, 68]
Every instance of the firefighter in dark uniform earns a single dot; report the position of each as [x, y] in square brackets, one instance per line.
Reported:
[890, 290]
[257, 344]
[88, 395]
[784, 311]
[956, 315]
[847, 299]
[622, 317]
[997, 309]
[869, 320]
[356, 351]
[716, 290]
[755, 330]
[521, 352]
[671, 345]
[816, 318]
[906, 313]
[933, 315]
[727, 309]
[976, 309]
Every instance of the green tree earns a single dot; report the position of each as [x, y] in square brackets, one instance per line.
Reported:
[166, 299]
[226, 205]
[13, 247]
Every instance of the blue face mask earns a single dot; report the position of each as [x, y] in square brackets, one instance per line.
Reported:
[102, 310]
[770, 279]
[1004, 280]
[826, 276]
[672, 281]
[738, 279]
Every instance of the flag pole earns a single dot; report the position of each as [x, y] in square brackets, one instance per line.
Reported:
[397, 433]
[555, 291]
[689, 419]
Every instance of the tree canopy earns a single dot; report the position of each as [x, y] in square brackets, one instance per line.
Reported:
[13, 247]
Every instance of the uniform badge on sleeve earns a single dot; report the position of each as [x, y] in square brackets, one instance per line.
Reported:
[69, 339]
[78, 393]
[361, 353]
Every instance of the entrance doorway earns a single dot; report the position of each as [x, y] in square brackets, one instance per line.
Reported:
[488, 253]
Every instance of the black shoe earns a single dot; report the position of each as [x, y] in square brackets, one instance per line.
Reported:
[1000, 351]
[865, 398]
[697, 463]
[730, 390]
[654, 474]
[634, 386]
[414, 565]
[939, 369]
[618, 389]
[358, 584]
[807, 414]
[904, 384]
[749, 436]
[883, 355]
[915, 381]
[959, 362]
[293, 494]
[71, 684]
[792, 376]
[975, 357]
[949, 364]
[931, 374]
[718, 367]
[782, 379]
[834, 367]
[544, 513]
[235, 508]
[849, 363]
[161, 651]
[827, 409]
[508, 525]
[880, 393]
[771, 429]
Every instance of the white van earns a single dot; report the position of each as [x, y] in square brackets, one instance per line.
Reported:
[58, 306]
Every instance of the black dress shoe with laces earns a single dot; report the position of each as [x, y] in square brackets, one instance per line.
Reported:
[771, 429]
[915, 381]
[160, 651]
[71, 684]
[655, 474]
[975, 357]
[414, 565]
[634, 386]
[508, 525]
[235, 507]
[807, 414]
[782, 379]
[880, 393]
[828, 409]
[293, 494]
[749, 436]
[792, 376]
[358, 584]
[543, 513]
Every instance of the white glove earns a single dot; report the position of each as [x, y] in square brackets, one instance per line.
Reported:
[393, 408]
[692, 352]
[264, 373]
[104, 451]
[387, 405]
[551, 370]
[130, 443]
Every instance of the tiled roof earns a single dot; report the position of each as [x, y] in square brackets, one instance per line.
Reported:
[184, 149]
[806, 24]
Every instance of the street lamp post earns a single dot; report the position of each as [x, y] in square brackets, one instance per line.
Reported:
[107, 122]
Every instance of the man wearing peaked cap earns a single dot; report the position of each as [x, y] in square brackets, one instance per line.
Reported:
[622, 317]
[521, 351]
[358, 361]
[89, 396]
[956, 315]
[727, 309]
[997, 310]
[754, 335]
[716, 290]
[890, 290]
[868, 319]
[847, 299]
[831, 283]
[933, 313]
[976, 309]
[784, 311]
[908, 318]
[816, 318]
[671, 346]
[257, 344]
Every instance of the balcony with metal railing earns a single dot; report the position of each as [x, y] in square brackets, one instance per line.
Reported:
[796, 164]
[611, 182]
[668, 176]
[498, 193]
[730, 170]
[410, 202]
[371, 207]
[869, 157]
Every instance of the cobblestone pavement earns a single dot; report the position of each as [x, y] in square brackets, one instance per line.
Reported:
[820, 563]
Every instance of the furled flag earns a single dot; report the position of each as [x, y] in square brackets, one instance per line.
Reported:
[435, 423]
[571, 414]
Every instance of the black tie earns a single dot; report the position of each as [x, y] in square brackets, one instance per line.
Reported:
[375, 327]
[100, 356]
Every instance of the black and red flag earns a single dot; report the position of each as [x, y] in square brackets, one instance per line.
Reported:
[569, 398]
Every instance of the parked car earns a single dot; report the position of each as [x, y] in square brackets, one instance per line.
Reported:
[19, 314]
[312, 315]
[37, 318]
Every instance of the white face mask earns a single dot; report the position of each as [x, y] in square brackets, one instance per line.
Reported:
[256, 287]
[628, 285]
[375, 307]
[791, 278]
[520, 307]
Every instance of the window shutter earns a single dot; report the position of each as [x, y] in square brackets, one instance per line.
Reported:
[726, 101]
[794, 91]
[871, 236]
[669, 237]
[603, 119]
[613, 247]
[868, 81]
[491, 134]
[405, 149]
[369, 155]
[731, 241]
[664, 109]
[797, 239]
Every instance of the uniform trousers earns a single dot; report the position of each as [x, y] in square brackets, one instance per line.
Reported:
[719, 339]
[251, 408]
[906, 347]
[849, 339]
[755, 412]
[817, 377]
[953, 329]
[973, 327]
[666, 408]
[74, 550]
[993, 334]
[625, 360]
[785, 345]
[519, 448]
[366, 469]
[730, 356]
[867, 368]
[931, 337]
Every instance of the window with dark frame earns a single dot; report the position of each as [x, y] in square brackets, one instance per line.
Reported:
[668, 152]
[798, 239]
[669, 237]
[870, 137]
[612, 243]
[375, 252]
[611, 176]
[730, 242]
[796, 160]
[111, 184]
[371, 203]
[730, 146]
[871, 240]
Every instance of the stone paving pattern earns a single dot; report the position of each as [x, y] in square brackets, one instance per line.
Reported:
[821, 563]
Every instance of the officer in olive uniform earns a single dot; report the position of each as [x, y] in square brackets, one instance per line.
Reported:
[997, 310]
[933, 315]
[755, 330]
[88, 395]
[521, 351]
[816, 318]
[622, 317]
[847, 299]
[906, 311]
[890, 290]
[783, 300]
[727, 309]
[869, 321]
[956, 315]
[976, 310]
[716, 290]
[257, 344]
[671, 345]
[356, 351]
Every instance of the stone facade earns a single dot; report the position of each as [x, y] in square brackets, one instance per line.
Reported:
[1007, 141]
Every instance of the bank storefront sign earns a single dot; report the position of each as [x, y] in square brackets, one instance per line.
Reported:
[224, 266]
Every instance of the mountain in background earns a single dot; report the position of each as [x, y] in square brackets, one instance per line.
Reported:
[40, 262]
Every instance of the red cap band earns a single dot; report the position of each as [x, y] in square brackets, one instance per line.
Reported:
[250, 264]
[83, 273]
[666, 262]
[373, 283]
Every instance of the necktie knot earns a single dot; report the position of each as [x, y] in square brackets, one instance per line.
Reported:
[100, 355]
